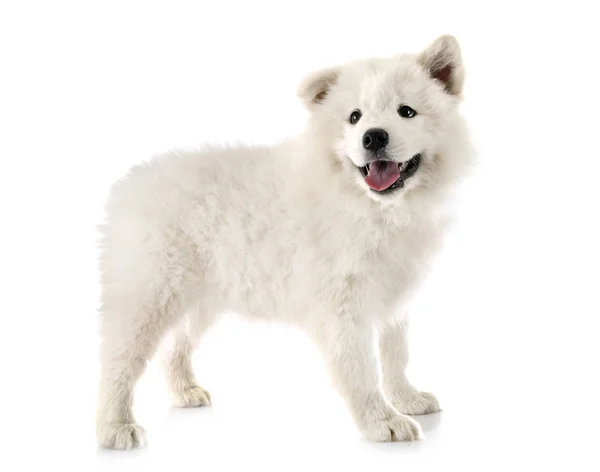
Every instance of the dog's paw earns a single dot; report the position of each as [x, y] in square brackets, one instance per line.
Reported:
[418, 403]
[394, 428]
[121, 436]
[191, 397]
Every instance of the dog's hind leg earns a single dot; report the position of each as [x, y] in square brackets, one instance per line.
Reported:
[184, 389]
[133, 322]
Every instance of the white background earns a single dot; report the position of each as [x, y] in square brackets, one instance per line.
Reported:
[505, 331]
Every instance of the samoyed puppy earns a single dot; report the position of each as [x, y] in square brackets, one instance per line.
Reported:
[331, 230]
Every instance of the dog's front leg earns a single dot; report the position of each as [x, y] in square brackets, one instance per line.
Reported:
[350, 351]
[394, 359]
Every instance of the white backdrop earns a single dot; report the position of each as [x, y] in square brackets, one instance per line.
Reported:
[88, 89]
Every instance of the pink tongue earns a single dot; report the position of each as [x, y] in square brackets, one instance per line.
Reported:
[382, 174]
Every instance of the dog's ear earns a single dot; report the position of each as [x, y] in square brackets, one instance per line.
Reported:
[314, 88]
[442, 60]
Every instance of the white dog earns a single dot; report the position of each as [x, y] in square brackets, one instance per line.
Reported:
[331, 230]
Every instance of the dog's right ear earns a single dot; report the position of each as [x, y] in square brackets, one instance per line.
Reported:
[314, 89]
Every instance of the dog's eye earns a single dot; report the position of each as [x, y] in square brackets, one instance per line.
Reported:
[355, 116]
[406, 112]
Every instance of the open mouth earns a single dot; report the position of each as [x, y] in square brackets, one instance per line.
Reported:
[386, 176]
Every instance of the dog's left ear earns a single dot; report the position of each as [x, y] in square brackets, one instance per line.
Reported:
[443, 61]
[314, 89]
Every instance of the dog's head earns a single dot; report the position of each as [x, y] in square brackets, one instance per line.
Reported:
[392, 125]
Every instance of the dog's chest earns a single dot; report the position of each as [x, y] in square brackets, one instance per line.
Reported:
[371, 267]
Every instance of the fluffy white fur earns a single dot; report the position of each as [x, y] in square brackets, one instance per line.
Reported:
[289, 232]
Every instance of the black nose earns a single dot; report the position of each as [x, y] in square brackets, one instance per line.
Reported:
[375, 139]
